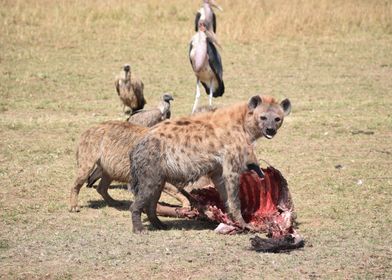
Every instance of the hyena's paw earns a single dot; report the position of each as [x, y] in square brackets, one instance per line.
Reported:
[139, 230]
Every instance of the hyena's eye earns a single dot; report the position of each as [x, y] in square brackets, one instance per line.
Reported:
[263, 118]
[277, 119]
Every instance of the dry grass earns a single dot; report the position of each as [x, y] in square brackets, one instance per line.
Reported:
[333, 60]
[244, 21]
[298, 18]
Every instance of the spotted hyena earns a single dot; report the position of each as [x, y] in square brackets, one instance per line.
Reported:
[218, 144]
[103, 153]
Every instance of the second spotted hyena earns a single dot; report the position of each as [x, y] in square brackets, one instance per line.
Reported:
[217, 144]
[103, 154]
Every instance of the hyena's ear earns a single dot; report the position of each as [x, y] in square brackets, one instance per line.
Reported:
[254, 101]
[286, 106]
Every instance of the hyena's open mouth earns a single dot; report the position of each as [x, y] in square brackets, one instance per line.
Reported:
[269, 133]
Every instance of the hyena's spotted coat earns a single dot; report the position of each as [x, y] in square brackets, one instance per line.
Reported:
[217, 144]
[103, 153]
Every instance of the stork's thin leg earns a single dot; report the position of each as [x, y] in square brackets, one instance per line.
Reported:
[197, 96]
[210, 97]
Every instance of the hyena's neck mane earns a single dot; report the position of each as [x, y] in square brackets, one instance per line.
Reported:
[227, 118]
[236, 117]
[230, 115]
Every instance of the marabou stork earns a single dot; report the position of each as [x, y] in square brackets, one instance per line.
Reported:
[207, 15]
[206, 63]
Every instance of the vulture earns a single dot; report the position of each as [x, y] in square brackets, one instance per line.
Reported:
[150, 117]
[130, 89]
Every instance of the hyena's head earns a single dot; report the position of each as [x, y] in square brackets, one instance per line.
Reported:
[266, 115]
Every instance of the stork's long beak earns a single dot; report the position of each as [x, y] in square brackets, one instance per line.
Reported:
[212, 37]
[213, 4]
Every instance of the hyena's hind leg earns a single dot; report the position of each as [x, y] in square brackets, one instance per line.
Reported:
[83, 173]
[102, 189]
[136, 213]
[145, 184]
[146, 193]
[151, 209]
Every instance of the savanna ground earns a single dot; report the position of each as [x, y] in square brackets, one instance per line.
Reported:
[333, 59]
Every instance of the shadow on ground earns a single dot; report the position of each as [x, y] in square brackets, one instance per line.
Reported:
[114, 187]
[123, 205]
[173, 223]
[186, 224]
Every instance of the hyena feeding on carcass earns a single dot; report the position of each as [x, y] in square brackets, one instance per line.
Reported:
[217, 144]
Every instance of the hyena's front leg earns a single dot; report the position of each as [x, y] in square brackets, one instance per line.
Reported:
[176, 193]
[228, 188]
[252, 162]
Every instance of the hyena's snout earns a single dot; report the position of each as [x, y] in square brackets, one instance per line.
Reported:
[270, 132]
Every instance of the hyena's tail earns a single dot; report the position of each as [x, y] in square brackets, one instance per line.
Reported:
[94, 176]
[133, 183]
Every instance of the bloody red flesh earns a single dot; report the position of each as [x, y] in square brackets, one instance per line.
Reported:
[265, 203]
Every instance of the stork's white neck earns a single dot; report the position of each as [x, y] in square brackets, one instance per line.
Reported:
[201, 36]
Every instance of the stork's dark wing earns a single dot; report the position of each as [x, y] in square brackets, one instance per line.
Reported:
[214, 22]
[197, 18]
[214, 59]
[215, 63]
[189, 53]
